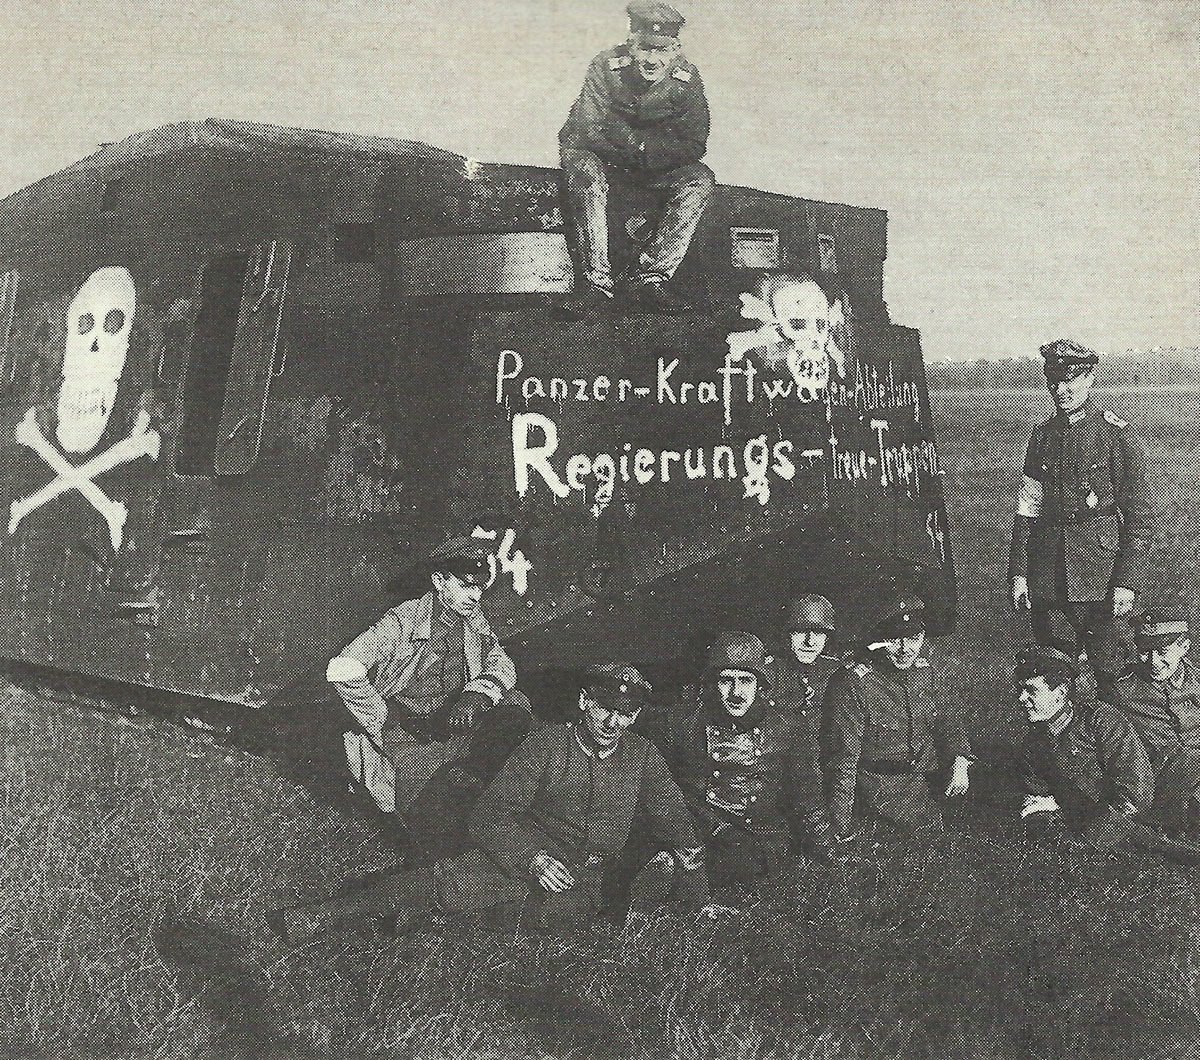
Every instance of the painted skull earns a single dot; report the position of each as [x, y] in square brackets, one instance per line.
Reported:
[98, 325]
[802, 314]
[802, 311]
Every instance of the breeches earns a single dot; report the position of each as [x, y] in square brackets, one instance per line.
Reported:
[687, 190]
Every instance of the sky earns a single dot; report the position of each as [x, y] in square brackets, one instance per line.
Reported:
[1037, 158]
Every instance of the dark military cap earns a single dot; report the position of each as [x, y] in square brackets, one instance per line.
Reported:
[653, 18]
[902, 615]
[1066, 357]
[464, 557]
[1158, 628]
[738, 651]
[1040, 660]
[617, 686]
[810, 612]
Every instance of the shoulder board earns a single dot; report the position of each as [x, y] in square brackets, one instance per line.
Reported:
[619, 62]
[920, 664]
[682, 74]
[862, 669]
[1115, 420]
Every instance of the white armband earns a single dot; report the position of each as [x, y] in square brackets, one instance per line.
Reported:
[343, 669]
[1029, 501]
[1038, 804]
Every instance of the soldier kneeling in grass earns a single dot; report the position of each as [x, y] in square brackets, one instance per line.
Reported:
[886, 739]
[551, 830]
[736, 754]
[1085, 772]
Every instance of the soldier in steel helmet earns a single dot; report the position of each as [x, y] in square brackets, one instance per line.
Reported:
[550, 832]
[801, 677]
[1083, 528]
[886, 740]
[735, 752]
[641, 120]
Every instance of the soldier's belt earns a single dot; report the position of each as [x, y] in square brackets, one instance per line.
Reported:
[1084, 515]
[885, 768]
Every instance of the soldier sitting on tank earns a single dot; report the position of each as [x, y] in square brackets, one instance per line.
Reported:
[641, 120]
[551, 831]
[801, 678]
[1160, 697]
[886, 740]
[735, 751]
[429, 684]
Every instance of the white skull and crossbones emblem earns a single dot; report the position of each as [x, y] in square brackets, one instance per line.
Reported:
[99, 321]
[799, 327]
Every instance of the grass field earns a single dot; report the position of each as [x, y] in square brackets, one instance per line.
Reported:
[135, 862]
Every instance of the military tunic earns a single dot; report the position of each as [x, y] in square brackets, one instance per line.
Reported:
[802, 688]
[636, 126]
[1083, 527]
[553, 796]
[737, 777]
[1097, 761]
[650, 136]
[392, 677]
[884, 739]
[1166, 716]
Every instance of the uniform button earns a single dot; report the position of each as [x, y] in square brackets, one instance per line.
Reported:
[749, 821]
[754, 798]
[716, 772]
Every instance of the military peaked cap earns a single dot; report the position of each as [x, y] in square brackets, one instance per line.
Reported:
[464, 557]
[617, 686]
[1066, 353]
[1040, 660]
[902, 615]
[1161, 627]
[654, 18]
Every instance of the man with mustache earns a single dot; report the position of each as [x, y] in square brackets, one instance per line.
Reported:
[551, 831]
[736, 756]
[641, 120]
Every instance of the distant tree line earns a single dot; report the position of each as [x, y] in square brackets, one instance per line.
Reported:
[1027, 372]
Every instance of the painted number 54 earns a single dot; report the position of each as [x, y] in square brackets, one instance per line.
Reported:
[505, 560]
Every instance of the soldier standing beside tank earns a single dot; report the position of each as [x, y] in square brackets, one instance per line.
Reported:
[801, 679]
[885, 738]
[1082, 532]
[641, 120]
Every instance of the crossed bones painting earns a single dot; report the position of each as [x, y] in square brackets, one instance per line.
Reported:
[88, 423]
[803, 330]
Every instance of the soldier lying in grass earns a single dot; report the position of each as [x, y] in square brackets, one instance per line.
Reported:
[551, 830]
